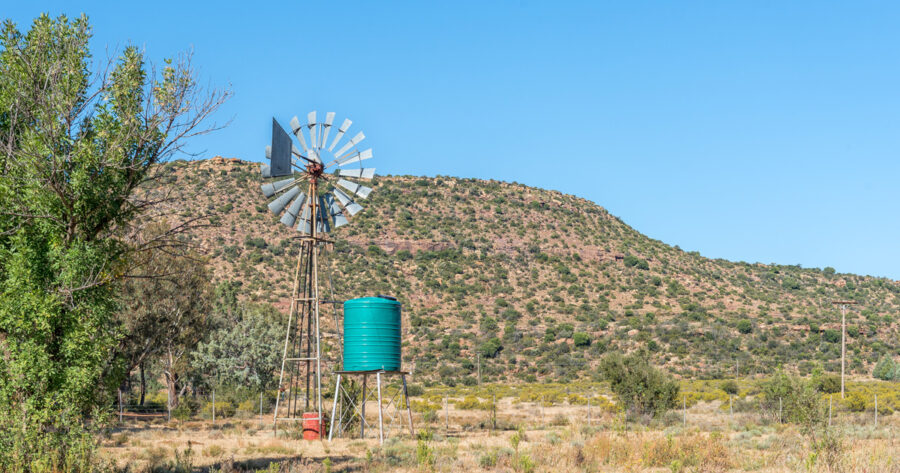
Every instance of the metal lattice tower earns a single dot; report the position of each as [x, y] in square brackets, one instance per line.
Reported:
[329, 201]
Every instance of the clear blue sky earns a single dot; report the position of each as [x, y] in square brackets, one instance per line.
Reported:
[755, 131]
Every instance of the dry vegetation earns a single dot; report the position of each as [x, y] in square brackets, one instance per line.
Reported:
[556, 431]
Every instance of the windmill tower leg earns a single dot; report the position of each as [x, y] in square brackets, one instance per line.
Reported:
[302, 349]
[412, 432]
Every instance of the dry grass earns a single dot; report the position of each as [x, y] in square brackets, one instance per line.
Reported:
[554, 438]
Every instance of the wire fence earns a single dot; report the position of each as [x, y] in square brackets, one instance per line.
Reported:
[455, 414]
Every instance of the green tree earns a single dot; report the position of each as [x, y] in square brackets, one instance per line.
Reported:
[744, 326]
[886, 369]
[241, 352]
[74, 152]
[642, 388]
[166, 313]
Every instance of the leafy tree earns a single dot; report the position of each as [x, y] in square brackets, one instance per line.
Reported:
[642, 388]
[166, 313]
[73, 151]
[832, 336]
[886, 369]
[242, 352]
[744, 326]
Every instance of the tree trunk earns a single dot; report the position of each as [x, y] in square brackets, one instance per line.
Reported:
[143, 383]
[171, 380]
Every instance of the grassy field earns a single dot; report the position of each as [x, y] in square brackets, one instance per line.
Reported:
[531, 428]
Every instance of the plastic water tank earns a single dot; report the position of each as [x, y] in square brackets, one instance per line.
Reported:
[372, 334]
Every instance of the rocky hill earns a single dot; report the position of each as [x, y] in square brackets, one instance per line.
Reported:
[539, 284]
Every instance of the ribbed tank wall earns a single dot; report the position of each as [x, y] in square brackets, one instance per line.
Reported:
[371, 334]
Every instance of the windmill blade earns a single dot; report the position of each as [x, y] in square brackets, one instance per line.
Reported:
[277, 205]
[360, 190]
[303, 225]
[364, 173]
[290, 217]
[311, 123]
[329, 117]
[297, 130]
[355, 157]
[353, 141]
[336, 213]
[265, 170]
[280, 152]
[322, 222]
[314, 155]
[271, 188]
[352, 207]
[343, 129]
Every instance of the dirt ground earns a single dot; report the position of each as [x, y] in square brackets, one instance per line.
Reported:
[522, 437]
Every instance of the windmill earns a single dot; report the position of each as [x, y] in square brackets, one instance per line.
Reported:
[310, 189]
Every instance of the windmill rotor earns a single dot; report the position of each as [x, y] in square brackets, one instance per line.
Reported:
[290, 168]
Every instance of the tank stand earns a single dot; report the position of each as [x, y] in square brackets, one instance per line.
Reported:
[350, 401]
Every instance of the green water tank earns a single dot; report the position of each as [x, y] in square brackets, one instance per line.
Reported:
[372, 334]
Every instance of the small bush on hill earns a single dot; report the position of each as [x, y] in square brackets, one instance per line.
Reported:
[642, 388]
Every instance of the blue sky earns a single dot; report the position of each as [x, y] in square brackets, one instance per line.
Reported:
[754, 131]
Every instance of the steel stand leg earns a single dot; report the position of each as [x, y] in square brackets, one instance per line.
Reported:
[337, 394]
[362, 421]
[380, 421]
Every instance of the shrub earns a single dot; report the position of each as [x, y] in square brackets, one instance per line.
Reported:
[632, 261]
[223, 409]
[828, 384]
[832, 336]
[800, 403]
[582, 339]
[491, 348]
[640, 387]
[730, 387]
[744, 326]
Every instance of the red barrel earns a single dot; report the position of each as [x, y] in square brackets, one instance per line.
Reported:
[312, 426]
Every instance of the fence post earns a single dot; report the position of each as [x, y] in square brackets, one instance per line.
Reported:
[730, 406]
[494, 412]
[780, 416]
[542, 411]
[876, 411]
[168, 405]
[830, 397]
[260, 408]
[589, 412]
[447, 414]
[684, 411]
[214, 407]
[120, 405]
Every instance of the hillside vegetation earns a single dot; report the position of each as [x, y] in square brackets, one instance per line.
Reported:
[538, 284]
